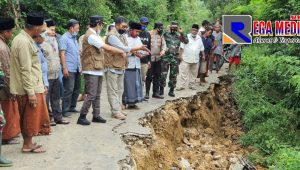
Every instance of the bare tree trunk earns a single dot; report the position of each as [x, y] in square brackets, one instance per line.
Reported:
[14, 6]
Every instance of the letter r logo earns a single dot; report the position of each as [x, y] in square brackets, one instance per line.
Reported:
[237, 29]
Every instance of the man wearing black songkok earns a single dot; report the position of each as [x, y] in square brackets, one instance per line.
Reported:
[27, 84]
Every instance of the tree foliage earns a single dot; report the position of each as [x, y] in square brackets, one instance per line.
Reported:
[186, 12]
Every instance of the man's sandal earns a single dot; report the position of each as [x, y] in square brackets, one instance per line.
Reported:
[36, 149]
[13, 141]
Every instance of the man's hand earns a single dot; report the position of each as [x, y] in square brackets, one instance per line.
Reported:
[124, 55]
[149, 65]
[46, 90]
[139, 55]
[162, 53]
[32, 100]
[144, 48]
[180, 30]
[13, 97]
[65, 72]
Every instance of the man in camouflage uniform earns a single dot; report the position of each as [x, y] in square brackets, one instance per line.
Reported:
[171, 59]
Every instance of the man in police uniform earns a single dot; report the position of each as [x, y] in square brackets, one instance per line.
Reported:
[171, 60]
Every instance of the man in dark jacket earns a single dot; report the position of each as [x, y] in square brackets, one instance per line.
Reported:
[146, 40]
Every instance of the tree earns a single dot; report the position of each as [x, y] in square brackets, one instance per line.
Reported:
[11, 8]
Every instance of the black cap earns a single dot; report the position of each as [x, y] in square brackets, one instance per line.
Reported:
[135, 26]
[6, 23]
[35, 19]
[196, 26]
[158, 25]
[96, 19]
[174, 23]
[120, 19]
[50, 23]
[205, 22]
[72, 22]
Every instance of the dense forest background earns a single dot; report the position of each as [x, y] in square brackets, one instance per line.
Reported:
[186, 12]
[267, 87]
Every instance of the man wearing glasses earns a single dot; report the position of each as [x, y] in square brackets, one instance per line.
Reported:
[117, 64]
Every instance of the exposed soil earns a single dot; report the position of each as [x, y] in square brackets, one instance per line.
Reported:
[199, 132]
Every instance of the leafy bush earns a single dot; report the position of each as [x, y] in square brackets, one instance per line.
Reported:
[287, 159]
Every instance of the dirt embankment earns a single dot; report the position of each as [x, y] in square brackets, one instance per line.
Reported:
[199, 132]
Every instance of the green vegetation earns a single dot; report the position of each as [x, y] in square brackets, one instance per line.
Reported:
[267, 90]
[267, 86]
[186, 12]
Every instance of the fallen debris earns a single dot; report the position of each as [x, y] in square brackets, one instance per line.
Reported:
[199, 132]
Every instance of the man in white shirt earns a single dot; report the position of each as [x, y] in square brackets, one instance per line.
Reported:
[93, 65]
[189, 57]
[133, 89]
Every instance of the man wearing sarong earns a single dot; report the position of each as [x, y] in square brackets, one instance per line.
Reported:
[27, 84]
[116, 65]
[8, 103]
[133, 88]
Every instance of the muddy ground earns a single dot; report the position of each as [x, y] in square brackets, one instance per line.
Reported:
[198, 132]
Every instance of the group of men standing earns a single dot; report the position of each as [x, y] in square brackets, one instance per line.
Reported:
[164, 57]
[41, 68]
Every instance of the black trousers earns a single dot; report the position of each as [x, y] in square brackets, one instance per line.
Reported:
[153, 75]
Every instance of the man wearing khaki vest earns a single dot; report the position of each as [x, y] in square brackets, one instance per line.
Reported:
[93, 64]
[116, 66]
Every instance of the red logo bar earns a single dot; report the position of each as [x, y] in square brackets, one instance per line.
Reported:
[294, 17]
